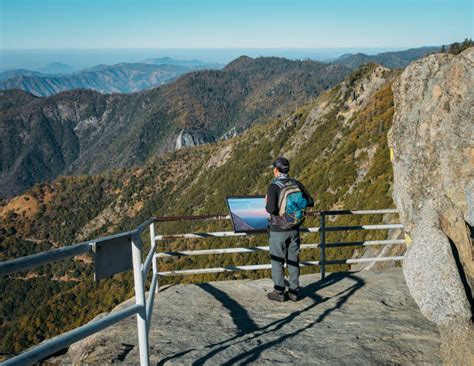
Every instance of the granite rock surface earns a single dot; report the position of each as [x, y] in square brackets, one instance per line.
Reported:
[363, 318]
[432, 142]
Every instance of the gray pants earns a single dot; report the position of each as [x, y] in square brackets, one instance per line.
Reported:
[285, 246]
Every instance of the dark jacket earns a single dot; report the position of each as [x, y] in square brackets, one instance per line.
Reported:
[273, 193]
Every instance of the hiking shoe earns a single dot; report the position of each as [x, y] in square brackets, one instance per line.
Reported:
[276, 296]
[293, 296]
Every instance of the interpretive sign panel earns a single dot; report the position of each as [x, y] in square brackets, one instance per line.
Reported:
[248, 213]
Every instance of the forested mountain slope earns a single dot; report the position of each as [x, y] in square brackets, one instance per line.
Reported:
[336, 144]
[83, 131]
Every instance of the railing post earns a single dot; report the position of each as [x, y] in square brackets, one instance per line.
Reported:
[154, 264]
[140, 299]
[152, 235]
[322, 244]
[155, 273]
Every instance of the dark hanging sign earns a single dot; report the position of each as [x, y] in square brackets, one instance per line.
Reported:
[111, 256]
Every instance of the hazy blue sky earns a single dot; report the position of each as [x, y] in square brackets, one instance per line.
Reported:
[59, 24]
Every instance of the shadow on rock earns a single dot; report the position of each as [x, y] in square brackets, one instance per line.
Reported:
[248, 330]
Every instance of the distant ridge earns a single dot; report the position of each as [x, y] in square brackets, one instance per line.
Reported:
[57, 68]
[197, 64]
[393, 59]
[10, 74]
[118, 78]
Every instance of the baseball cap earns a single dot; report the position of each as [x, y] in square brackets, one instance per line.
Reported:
[282, 164]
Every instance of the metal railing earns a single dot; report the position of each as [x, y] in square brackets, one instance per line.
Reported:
[322, 245]
[143, 307]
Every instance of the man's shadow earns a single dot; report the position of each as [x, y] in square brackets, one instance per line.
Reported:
[248, 329]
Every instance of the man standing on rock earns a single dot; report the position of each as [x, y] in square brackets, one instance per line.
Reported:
[286, 202]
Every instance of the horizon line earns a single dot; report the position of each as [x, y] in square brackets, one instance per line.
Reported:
[214, 48]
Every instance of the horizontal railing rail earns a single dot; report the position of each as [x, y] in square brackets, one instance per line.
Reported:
[359, 212]
[222, 234]
[269, 266]
[267, 248]
[35, 260]
[322, 229]
[143, 306]
[64, 340]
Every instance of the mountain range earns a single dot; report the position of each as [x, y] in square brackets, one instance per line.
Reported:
[133, 77]
[118, 78]
[83, 131]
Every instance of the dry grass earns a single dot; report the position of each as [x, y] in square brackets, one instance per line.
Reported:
[25, 205]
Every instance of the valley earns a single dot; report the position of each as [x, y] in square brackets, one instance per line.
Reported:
[337, 146]
[86, 132]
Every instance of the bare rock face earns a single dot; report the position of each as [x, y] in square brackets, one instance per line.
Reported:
[192, 138]
[432, 142]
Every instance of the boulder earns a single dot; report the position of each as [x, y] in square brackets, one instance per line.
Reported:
[432, 149]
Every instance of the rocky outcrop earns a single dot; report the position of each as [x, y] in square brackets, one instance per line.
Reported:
[192, 138]
[357, 90]
[362, 318]
[230, 134]
[432, 142]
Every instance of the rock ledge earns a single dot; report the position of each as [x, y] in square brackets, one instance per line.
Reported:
[363, 318]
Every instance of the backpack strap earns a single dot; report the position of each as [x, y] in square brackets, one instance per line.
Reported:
[283, 182]
[279, 183]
